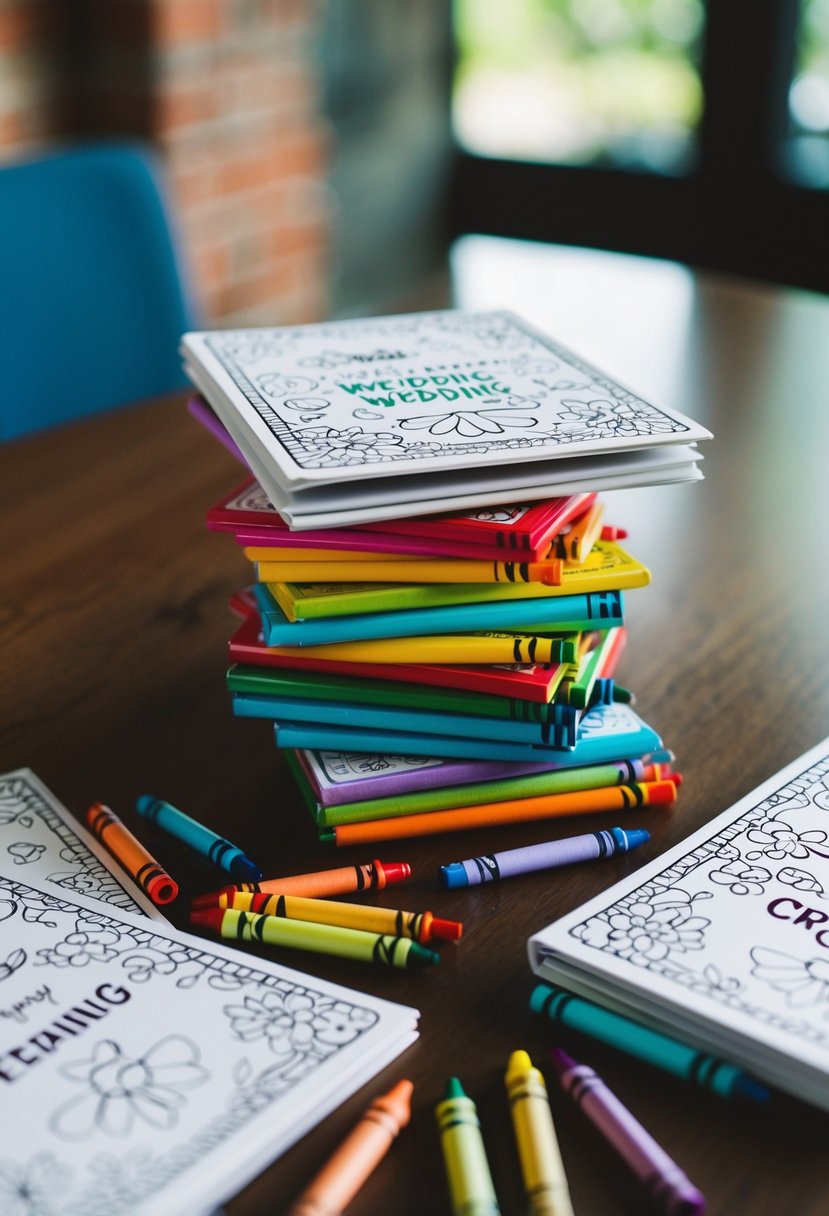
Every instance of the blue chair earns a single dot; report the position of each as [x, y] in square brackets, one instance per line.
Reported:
[92, 296]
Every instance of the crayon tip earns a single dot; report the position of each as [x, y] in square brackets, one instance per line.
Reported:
[212, 899]
[393, 871]
[454, 1089]
[143, 803]
[562, 1063]
[242, 867]
[630, 838]
[328, 836]
[747, 1087]
[398, 1101]
[446, 930]
[675, 777]
[420, 956]
[519, 1063]
[207, 918]
[452, 876]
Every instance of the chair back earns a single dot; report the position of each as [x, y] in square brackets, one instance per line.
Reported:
[93, 299]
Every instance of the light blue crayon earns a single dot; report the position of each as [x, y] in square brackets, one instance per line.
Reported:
[707, 1071]
[220, 851]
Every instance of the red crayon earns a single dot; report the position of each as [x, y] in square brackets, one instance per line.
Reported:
[345, 880]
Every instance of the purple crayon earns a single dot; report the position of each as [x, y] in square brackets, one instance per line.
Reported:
[591, 847]
[668, 1187]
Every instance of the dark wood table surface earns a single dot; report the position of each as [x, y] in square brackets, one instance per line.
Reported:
[113, 634]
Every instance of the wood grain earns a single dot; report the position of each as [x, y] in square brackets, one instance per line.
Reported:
[113, 632]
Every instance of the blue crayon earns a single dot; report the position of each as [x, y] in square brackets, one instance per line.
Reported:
[491, 866]
[642, 1042]
[220, 851]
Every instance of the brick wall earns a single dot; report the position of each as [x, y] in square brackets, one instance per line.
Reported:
[228, 91]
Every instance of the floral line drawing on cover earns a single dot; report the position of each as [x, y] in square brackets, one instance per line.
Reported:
[659, 925]
[22, 806]
[531, 368]
[287, 1028]
[120, 1090]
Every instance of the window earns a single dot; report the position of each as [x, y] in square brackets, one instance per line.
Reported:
[670, 127]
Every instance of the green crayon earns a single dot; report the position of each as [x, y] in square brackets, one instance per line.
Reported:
[357, 944]
[471, 1189]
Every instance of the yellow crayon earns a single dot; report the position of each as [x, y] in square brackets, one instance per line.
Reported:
[420, 926]
[438, 648]
[541, 1166]
[471, 1190]
[281, 553]
[412, 570]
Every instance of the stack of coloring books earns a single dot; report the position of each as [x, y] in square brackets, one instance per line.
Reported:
[434, 662]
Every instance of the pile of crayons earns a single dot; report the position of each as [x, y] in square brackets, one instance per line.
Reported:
[431, 674]
[298, 912]
[665, 1187]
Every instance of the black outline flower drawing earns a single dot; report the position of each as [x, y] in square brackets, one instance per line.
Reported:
[275, 384]
[120, 1090]
[24, 852]
[741, 879]
[801, 880]
[295, 1023]
[353, 446]
[88, 943]
[473, 423]
[777, 840]
[33, 1189]
[648, 930]
[605, 418]
[803, 982]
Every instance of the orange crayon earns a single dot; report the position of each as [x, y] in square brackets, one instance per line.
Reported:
[357, 1156]
[576, 542]
[421, 926]
[346, 880]
[520, 810]
[130, 853]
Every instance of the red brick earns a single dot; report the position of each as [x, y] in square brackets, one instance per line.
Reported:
[179, 22]
[182, 106]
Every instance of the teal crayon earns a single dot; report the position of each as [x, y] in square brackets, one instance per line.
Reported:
[670, 1054]
[220, 851]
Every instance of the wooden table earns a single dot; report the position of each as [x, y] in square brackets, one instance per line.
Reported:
[113, 631]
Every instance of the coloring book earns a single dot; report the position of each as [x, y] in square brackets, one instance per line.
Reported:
[724, 940]
[350, 421]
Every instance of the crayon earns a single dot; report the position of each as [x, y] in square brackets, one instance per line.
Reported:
[220, 851]
[452, 648]
[541, 1166]
[421, 926]
[632, 796]
[575, 544]
[610, 533]
[382, 948]
[471, 1190]
[555, 781]
[661, 1050]
[411, 570]
[490, 867]
[129, 852]
[668, 1188]
[344, 880]
[357, 1156]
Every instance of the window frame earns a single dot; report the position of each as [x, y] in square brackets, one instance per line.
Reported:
[736, 210]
